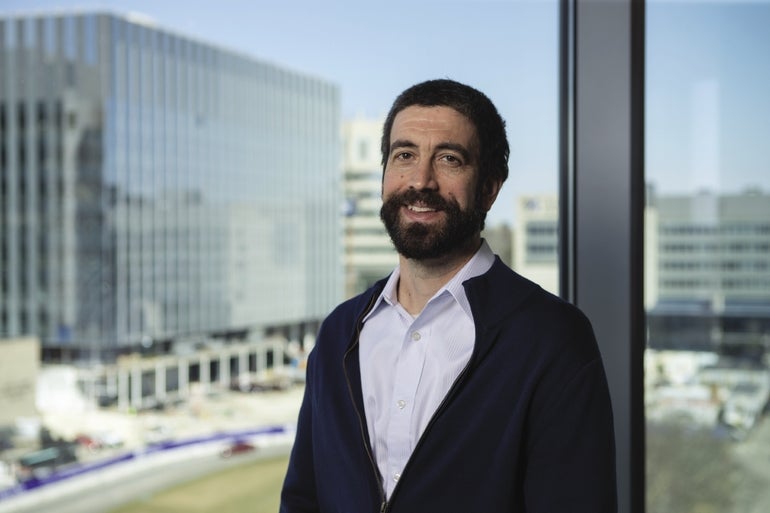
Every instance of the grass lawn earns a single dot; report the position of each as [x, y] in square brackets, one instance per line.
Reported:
[253, 487]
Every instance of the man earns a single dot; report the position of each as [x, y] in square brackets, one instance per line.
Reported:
[454, 385]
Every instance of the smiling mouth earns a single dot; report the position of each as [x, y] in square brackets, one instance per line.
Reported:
[415, 208]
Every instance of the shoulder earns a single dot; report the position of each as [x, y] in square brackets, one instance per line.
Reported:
[338, 327]
[506, 302]
[501, 292]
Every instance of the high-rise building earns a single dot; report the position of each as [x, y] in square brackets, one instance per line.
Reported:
[369, 253]
[153, 185]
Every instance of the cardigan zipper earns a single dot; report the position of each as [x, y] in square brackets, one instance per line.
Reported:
[385, 504]
[361, 423]
[442, 405]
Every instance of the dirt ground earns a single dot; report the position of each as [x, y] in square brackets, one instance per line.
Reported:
[252, 487]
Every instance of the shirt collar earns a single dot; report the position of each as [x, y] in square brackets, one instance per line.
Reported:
[480, 263]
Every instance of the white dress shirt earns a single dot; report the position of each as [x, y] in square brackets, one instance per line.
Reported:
[408, 364]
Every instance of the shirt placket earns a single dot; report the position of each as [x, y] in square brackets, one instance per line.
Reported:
[406, 381]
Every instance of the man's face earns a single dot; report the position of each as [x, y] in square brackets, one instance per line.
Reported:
[430, 206]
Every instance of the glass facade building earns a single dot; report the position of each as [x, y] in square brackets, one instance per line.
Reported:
[153, 186]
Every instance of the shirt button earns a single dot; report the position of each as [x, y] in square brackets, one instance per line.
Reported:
[416, 336]
[401, 404]
[396, 477]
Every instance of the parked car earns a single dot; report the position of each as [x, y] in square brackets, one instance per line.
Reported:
[237, 447]
[89, 442]
[42, 463]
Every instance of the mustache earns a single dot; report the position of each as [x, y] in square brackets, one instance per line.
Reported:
[429, 198]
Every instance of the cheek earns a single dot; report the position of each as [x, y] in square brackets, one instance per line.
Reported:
[391, 182]
[465, 195]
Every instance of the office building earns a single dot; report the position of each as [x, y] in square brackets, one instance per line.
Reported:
[711, 272]
[536, 240]
[369, 253]
[153, 186]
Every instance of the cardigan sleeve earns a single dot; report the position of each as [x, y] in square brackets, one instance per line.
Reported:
[571, 448]
[298, 494]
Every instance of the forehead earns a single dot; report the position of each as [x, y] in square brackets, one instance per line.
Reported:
[438, 122]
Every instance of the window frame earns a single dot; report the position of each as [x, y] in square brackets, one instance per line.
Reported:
[602, 206]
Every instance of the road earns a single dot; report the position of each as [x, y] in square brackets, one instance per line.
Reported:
[101, 491]
[115, 487]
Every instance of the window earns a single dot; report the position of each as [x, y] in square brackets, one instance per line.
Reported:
[152, 143]
[708, 312]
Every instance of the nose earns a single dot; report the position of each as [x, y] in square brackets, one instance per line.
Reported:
[424, 176]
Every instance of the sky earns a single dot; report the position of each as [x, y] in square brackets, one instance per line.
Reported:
[708, 110]
[708, 95]
[372, 50]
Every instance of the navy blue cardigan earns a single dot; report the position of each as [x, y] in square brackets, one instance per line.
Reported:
[526, 428]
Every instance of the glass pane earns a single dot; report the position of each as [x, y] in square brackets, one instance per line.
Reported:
[188, 188]
[707, 258]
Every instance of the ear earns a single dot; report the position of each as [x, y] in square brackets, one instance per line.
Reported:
[490, 189]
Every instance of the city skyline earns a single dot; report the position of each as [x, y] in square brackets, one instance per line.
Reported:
[706, 108]
[375, 51]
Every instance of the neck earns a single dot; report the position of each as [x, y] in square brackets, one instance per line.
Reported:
[419, 280]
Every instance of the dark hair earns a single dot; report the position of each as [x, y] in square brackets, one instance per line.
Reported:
[471, 103]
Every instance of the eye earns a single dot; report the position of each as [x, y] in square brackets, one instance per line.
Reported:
[404, 155]
[451, 160]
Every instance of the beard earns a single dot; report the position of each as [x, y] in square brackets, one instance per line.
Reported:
[420, 241]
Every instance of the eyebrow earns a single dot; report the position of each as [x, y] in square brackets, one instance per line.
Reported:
[401, 143]
[459, 148]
